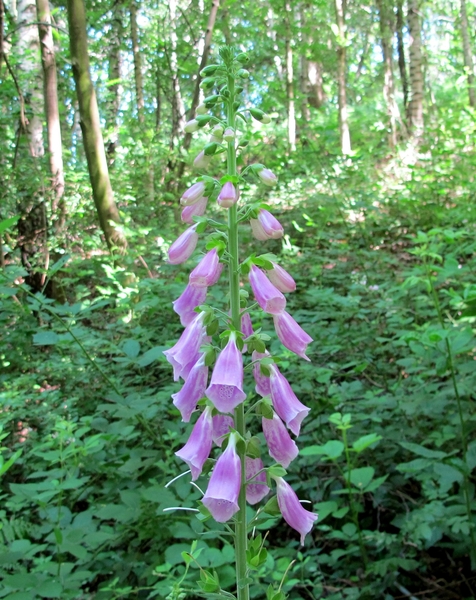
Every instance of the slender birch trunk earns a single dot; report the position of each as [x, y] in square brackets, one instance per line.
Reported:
[114, 87]
[91, 129]
[341, 79]
[468, 55]
[290, 79]
[416, 70]
[137, 62]
[402, 67]
[178, 109]
[388, 86]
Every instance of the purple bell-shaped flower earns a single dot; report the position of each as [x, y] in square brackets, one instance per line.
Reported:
[184, 246]
[291, 334]
[197, 449]
[188, 301]
[208, 270]
[267, 296]
[294, 514]
[192, 390]
[281, 279]
[193, 194]
[226, 384]
[257, 489]
[280, 445]
[285, 402]
[198, 209]
[185, 353]
[262, 387]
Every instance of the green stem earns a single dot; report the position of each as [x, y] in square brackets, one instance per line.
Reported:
[241, 533]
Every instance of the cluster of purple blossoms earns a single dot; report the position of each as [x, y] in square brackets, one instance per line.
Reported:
[217, 397]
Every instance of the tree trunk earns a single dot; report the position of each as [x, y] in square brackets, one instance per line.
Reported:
[178, 109]
[468, 55]
[271, 33]
[317, 96]
[341, 79]
[53, 124]
[416, 70]
[137, 62]
[401, 53]
[114, 87]
[388, 85]
[290, 79]
[91, 129]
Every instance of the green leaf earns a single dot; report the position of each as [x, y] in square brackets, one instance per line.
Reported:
[332, 449]
[131, 348]
[7, 223]
[361, 477]
[422, 451]
[45, 338]
[151, 355]
[365, 441]
[50, 589]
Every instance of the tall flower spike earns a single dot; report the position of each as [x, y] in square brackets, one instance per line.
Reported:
[197, 449]
[184, 354]
[267, 296]
[184, 246]
[198, 209]
[192, 390]
[222, 494]
[280, 445]
[193, 194]
[285, 401]
[188, 301]
[208, 270]
[294, 514]
[263, 387]
[257, 489]
[228, 195]
[291, 334]
[281, 279]
[226, 385]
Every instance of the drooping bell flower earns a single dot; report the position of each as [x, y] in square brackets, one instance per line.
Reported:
[226, 384]
[293, 513]
[223, 490]
[280, 445]
[208, 270]
[267, 296]
[228, 195]
[185, 353]
[257, 489]
[266, 226]
[268, 177]
[263, 386]
[285, 401]
[281, 279]
[193, 194]
[197, 449]
[184, 246]
[188, 301]
[198, 209]
[221, 428]
[291, 334]
[246, 328]
[192, 390]
[202, 161]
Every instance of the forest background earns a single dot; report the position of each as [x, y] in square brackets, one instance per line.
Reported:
[372, 138]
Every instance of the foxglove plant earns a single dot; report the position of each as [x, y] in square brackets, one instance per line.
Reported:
[239, 474]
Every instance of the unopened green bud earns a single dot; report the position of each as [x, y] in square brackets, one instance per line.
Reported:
[229, 135]
[218, 131]
[201, 109]
[242, 58]
[209, 70]
[239, 89]
[202, 120]
[236, 104]
[243, 73]
[211, 100]
[210, 149]
[207, 83]
[257, 114]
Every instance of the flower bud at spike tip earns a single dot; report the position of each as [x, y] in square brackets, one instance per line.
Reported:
[191, 126]
[263, 387]
[293, 513]
[184, 246]
[198, 209]
[192, 390]
[185, 353]
[193, 194]
[270, 224]
[285, 402]
[266, 295]
[217, 131]
[208, 270]
[221, 427]
[257, 489]
[188, 301]
[291, 334]
[281, 279]
[267, 177]
[201, 161]
[280, 445]
[228, 195]
[197, 449]
[222, 494]
[226, 385]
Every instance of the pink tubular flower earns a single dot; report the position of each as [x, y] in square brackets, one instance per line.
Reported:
[291, 334]
[221, 497]
[258, 489]
[266, 227]
[294, 514]
[221, 428]
[192, 390]
[281, 279]
[262, 387]
[184, 246]
[193, 194]
[208, 270]
[198, 209]
[280, 445]
[246, 325]
[188, 301]
[268, 177]
[285, 401]
[202, 161]
[228, 195]
[197, 449]
[267, 296]
[184, 354]
[226, 385]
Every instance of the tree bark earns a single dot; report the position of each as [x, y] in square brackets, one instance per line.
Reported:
[178, 109]
[416, 70]
[137, 62]
[114, 87]
[317, 96]
[91, 129]
[468, 55]
[53, 123]
[388, 86]
[341, 79]
[402, 67]
[290, 79]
